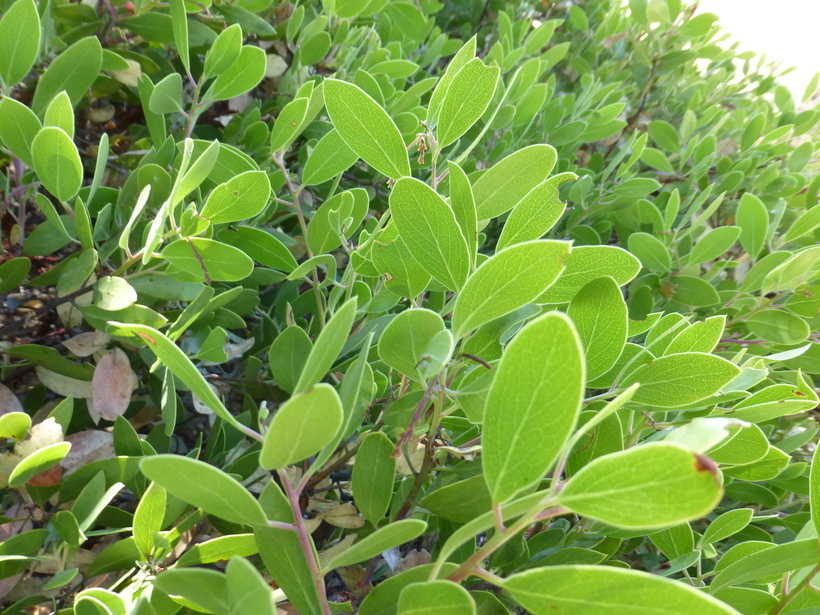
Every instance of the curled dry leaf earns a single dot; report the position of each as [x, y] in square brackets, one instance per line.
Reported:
[340, 547]
[9, 401]
[86, 344]
[112, 385]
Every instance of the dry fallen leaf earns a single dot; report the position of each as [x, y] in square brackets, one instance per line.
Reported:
[88, 446]
[413, 559]
[8, 401]
[345, 516]
[86, 344]
[112, 384]
[340, 547]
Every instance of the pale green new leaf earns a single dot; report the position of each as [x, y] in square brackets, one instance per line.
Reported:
[464, 55]
[244, 75]
[148, 517]
[771, 561]
[512, 278]
[366, 128]
[606, 590]
[60, 113]
[37, 462]
[327, 347]
[467, 98]
[506, 183]
[18, 128]
[532, 405]
[599, 314]
[428, 227]
[654, 485]
[204, 486]
[301, 427]
[681, 379]
[702, 336]
[727, 524]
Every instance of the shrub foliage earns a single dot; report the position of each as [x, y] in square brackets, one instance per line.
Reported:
[404, 307]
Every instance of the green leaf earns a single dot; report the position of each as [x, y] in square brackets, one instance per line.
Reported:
[287, 124]
[536, 213]
[198, 172]
[60, 113]
[383, 599]
[167, 94]
[206, 590]
[693, 291]
[329, 158]
[440, 597]
[219, 549]
[463, 205]
[179, 21]
[37, 462]
[175, 360]
[778, 326]
[148, 518]
[74, 70]
[224, 51]
[797, 269]
[366, 128]
[665, 135]
[208, 260]
[248, 592]
[261, 246]
[506, 183]
[681, 379]
[57, 162]
[19, 41]
[532, 405]
[460, 502]
[727, 524]
[774, 560]
[404, 340]
[651, 252]
[753, 219]
[465, 54]
[339, 216]
[468, 96]
[428, 227]
[13, 272]
[242, 197]
[814, 492]
[655, 485]
[604, 590]
[18, 127]
[302, 426]
[327, 347]
[244, 75]
[373, 476]
[584, 264]
[403, 274]
[715, 243]
[204, 486]
[599, 314]
[393, 535]
[512, 278]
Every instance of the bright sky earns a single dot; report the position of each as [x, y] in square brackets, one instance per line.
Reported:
[787, 31]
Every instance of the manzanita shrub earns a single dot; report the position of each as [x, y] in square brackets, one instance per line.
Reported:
[404, 307]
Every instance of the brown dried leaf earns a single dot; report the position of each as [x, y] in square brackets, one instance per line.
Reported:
[344, 516]
[340, 547]
[413, 559]
[86, 344]
[9, 401]
[88, 446]
[112, 385]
